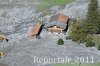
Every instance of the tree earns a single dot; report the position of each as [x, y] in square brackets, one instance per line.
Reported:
[90, 27]
[92, 23]
[78, 33]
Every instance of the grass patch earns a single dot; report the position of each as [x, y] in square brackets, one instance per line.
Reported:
[95, 64]
[45, 4]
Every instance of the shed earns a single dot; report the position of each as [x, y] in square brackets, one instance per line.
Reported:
[35, 30]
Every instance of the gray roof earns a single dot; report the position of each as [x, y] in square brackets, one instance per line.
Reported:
[56, 23]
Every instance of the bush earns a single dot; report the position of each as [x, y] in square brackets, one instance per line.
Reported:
[97, 41]
[68, 37]
[98, 47]
[60, 41]
[90, 43]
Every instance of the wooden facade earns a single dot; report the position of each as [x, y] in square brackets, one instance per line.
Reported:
[55, 29]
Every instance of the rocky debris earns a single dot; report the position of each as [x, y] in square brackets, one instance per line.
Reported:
[76, 9]
[1, 64]
[17, 19]
[21, 49]
[46, 18]
[55, 9]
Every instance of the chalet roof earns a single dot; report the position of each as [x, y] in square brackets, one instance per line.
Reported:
[59, 17]
[34, 30]
[59, 20]
[55, 23]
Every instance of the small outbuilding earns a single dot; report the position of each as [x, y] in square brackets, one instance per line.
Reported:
[35, 30]
[57, 23]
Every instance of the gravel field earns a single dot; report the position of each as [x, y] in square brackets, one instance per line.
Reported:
[21, 49]
[21, 52]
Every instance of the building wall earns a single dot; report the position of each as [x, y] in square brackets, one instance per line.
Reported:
[55, 29]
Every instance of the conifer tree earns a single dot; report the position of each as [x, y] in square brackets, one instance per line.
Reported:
[92, 23]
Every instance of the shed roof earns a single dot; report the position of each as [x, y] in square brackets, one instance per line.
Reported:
[34, 30]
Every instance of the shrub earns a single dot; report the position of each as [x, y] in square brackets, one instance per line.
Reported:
[68, 37]
[97, 41]
[60, 41]
[90, 43]
[98, 47]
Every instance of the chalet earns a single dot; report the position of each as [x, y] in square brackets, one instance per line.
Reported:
[35, 30]
[57, 23]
